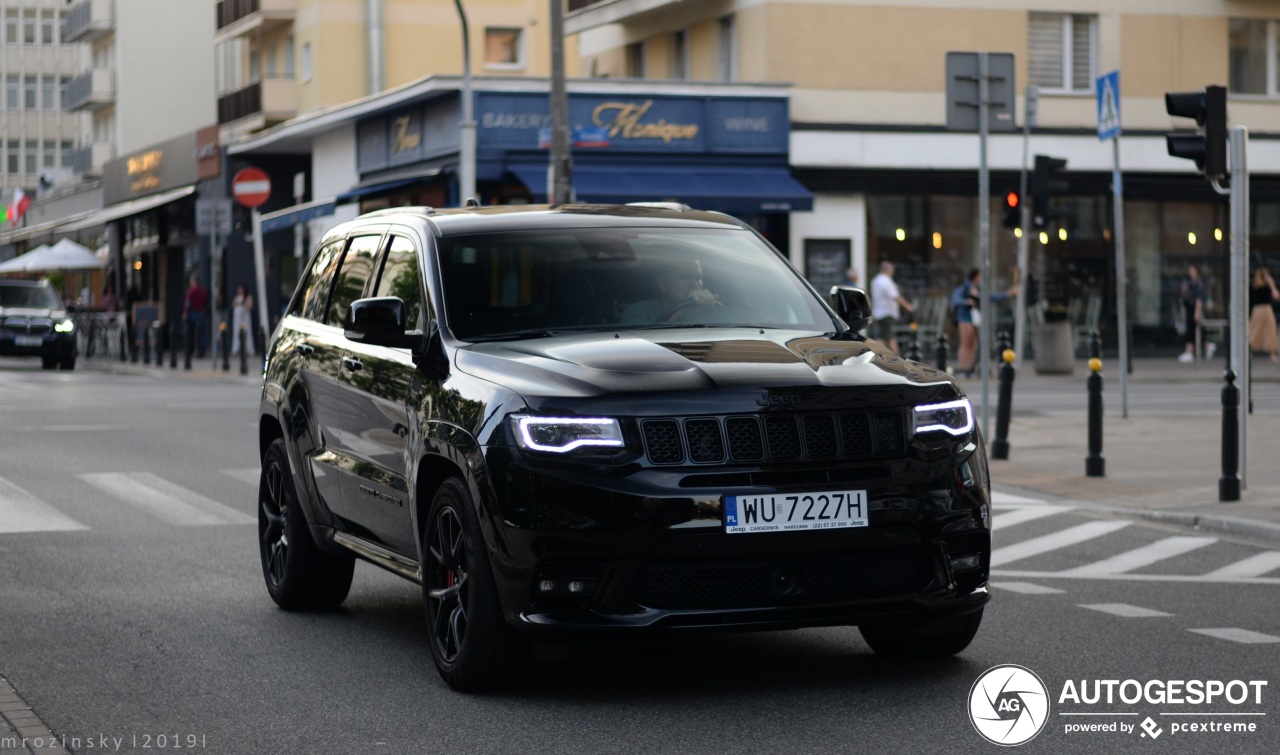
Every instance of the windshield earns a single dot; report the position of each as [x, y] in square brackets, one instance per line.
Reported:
[541, 282]
[31, 297]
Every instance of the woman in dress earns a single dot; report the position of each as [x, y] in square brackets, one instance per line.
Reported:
[1262, 318]
[242, 321]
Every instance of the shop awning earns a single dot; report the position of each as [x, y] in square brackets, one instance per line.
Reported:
[731, 189]
[280, 220]
[50, 228]
[388, 182]
[132, 207]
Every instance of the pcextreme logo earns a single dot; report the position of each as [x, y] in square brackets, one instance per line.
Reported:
[1009, 705]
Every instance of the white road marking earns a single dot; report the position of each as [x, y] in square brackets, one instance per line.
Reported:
[1144, 556]
[1070, 536]
[999, 498]
[22, 512]
[165, 500]
[1125, 610]
[1253, 566]
[1196, 578]
[1020, 514]
[250, 475]
[1026, 588]
[1243, 636]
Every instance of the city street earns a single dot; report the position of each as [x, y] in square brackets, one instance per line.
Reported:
[132, 608]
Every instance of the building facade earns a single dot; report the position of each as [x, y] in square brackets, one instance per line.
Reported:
[869, 138]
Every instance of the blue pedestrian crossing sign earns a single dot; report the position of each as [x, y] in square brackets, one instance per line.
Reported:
[1108, 86]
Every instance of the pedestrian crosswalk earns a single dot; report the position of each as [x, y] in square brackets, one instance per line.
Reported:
[143, 492]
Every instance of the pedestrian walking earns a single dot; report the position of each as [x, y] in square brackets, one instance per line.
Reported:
[242, 321]
[851, 276]
[887, 303]
[1193, 294]
[194, 312]
[967, 316]
[1262, 318]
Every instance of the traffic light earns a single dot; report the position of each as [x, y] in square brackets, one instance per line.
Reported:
[1044, 185]
[1207, 147]
[1012, 217]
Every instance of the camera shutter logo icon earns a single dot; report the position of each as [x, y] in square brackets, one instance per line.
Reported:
[1009, 705]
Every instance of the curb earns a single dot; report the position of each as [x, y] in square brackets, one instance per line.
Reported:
[18, 718]
[1226, 525]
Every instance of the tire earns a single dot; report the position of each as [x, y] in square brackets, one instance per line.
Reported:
[471, 644]
[49, 363]
[68, 363]
[299, 576]
[935, 639]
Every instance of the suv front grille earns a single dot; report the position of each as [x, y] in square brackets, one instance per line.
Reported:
[22, 326]
[780, 437]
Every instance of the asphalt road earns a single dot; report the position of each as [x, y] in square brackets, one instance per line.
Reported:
[132, 605]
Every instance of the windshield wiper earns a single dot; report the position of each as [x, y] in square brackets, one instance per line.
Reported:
[517, 335]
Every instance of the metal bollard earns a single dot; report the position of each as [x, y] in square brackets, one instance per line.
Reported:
[1004, 406]
[146, 345]
[1229, 483]
[940, 353]
[188, 343]
[225, 334]
[244, 357]
[1094, 464]
[174, 334]
[913, 348]
[1095, 345]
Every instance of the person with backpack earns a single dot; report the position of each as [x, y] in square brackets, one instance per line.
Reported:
[967, 316]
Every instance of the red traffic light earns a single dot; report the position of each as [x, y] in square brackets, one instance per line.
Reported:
[1011, 199]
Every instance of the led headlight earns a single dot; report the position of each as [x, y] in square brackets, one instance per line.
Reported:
[564, 434]
[66, 326]
[954, 417]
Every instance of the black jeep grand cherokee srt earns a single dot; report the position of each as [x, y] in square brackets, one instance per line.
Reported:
[607, 420]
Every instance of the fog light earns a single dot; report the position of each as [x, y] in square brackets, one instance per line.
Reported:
[546, 585]
[576, 586]
[966, 563]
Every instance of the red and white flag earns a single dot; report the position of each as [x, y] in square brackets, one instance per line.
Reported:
[18, 207]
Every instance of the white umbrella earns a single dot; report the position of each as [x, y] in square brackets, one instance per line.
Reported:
[64, 255]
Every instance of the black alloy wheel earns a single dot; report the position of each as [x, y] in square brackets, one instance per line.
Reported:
[471, 644]
[298, 574]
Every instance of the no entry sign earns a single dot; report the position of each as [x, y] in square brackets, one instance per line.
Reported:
[251, 187]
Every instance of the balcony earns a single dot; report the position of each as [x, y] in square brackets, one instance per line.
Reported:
[89, 159]
[237, 17]
[590, 14]
[93, 90]
[267, 102]
[89, 21]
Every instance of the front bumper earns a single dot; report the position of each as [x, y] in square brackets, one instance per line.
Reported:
[599, 548]
[57, 345]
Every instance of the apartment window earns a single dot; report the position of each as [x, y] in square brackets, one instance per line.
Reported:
[47, 155]
[29, 27]
[635, 60]
[47, 99]
[255, 62]
[65, 153]
[680, 55]
[29, 88]
[30, 157]
[288, 56]
[14, 156]
[272, 49]
[46, 27]
[503, 48]
[11, 90]
[11, 26]
[63, 83]
[728, 57]
[306, 61]
[1061, 51]
[1252, 52]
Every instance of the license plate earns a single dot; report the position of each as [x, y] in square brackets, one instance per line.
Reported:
[795, 511]
[28, 340]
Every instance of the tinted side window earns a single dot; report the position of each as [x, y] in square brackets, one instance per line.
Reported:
[400, 278]
[357, 265]
[315, 295]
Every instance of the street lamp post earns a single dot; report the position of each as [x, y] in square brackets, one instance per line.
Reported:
[560, 178]
[467, 126]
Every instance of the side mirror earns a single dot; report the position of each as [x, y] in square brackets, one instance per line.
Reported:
[380, 322]
[853, 306]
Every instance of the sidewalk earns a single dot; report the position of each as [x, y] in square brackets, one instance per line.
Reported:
[1160, 467]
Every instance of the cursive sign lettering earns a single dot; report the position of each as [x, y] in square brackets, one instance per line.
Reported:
[404, 140]
[145, 162]
[625, 122]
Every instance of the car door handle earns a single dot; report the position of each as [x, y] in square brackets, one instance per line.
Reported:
[353, 364]
[306, 349]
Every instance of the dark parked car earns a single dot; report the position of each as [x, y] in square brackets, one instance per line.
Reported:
[34, 322]
[609, 420]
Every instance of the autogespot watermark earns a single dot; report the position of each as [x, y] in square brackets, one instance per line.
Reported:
[1010, 705]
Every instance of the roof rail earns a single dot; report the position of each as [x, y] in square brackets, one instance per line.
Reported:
[676, 206]
[418, 210]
